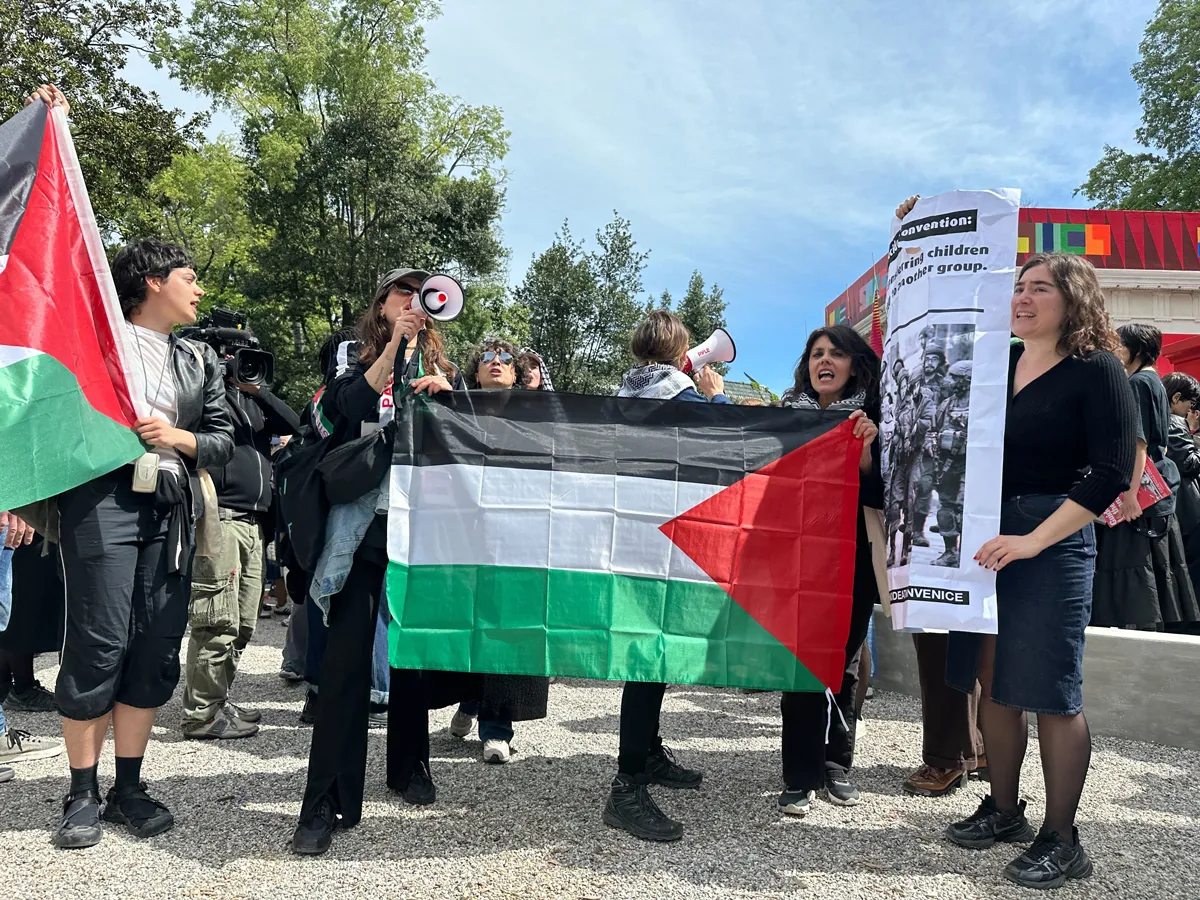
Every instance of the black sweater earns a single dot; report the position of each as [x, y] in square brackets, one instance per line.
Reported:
[1071, 431]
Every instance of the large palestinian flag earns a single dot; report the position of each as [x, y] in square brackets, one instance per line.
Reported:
[597, 537]
[65, 410]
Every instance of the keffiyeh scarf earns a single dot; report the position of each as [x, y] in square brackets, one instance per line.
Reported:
[654, 382]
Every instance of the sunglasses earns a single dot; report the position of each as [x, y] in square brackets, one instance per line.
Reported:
[406, 289]
[503, 355]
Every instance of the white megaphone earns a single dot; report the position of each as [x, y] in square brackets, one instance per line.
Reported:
[440, 298]
[718, 348]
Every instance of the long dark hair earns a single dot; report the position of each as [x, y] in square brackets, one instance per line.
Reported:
[374, 332]
[864, 367]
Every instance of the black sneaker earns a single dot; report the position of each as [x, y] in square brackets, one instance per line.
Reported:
[35, 699]
[80, 823]
[377, 717]
[631, 808]
[138, 811]
[313, 836]
[796, 802]
[841, 792]
[308, 715]
[663, 769]
[252, 716]
[1050, 861]
[989, 825]
[420, 790]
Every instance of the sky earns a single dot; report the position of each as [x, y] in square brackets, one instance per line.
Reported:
[766, 142]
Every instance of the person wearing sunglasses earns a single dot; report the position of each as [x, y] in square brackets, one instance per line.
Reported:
[494, 365]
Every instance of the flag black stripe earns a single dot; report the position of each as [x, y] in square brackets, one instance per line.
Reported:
[20, 148]
[671, 440]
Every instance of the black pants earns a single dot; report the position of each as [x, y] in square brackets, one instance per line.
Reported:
[807, 759]
[408, 726]
[126, 610]
[337, 759]
[641, 707]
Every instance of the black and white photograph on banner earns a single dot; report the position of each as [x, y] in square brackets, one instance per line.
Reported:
[925, 424]
[951, 264]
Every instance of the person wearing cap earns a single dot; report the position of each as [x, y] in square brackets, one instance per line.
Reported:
[348, 582]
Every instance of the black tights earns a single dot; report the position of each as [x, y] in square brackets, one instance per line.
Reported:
[16, 669]
[1066, 752]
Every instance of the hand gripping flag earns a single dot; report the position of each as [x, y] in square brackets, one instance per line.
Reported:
[65, 408]
[642, 540]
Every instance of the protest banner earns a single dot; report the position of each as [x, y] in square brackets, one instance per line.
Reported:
[951, 265]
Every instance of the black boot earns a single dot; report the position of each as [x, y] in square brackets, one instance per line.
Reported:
[918, 532]
[663, 769]
[631, 808]
[949, 559]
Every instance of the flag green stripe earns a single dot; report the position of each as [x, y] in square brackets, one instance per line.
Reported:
[54, 439]
[576, 624]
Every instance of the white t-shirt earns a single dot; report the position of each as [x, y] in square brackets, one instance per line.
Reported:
[154, 383]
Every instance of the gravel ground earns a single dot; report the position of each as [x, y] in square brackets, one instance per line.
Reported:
[532, 828]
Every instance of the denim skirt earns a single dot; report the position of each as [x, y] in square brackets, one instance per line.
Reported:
[1043, 605]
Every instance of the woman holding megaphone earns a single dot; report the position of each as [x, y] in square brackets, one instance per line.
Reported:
[660, 345]
[397, 334]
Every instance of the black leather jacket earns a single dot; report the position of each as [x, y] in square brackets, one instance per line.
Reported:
[200, 401]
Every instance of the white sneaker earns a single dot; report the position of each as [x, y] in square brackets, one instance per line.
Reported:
[496, 752]
[461, 724]
[20, 746]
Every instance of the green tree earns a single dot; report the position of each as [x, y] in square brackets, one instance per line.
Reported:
[703, 312]
[123, 134]
[356, 163]
[583, 306]
[1166, 174]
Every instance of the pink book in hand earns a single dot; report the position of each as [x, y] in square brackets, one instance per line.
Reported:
[1152, 489]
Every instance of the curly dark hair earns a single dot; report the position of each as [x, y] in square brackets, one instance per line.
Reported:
[1086, 327]
[374, 333]
[471, 370]
[864, 367]
[136, 262]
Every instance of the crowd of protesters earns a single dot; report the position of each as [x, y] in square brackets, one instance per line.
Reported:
[1086, 414]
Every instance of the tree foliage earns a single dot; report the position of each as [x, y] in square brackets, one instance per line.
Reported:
[124, 136]
[353, 163]
[703, 312]
[1166, 175]
[583, 305]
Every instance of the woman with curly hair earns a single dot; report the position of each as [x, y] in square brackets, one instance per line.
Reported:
[494, 363]
[1069, 446]
[837, 371]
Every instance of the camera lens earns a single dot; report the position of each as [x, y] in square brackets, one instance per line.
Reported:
[254, 366]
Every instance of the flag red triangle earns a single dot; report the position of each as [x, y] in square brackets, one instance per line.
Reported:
[781, 542]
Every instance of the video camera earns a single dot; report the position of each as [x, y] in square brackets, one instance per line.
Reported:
[228, 333]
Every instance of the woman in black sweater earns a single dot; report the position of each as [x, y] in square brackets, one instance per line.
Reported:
[354, 561]
[1069, 446]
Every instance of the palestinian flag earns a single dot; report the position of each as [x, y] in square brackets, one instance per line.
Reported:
[597, 537]
[65, 409]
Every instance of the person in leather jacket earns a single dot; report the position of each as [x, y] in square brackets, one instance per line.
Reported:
[127, 541]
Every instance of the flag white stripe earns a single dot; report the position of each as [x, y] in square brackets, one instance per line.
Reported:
[95, 248]
[496, 516]
[10, 354]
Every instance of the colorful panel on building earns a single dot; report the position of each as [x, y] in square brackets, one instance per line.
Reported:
[1109, 239]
